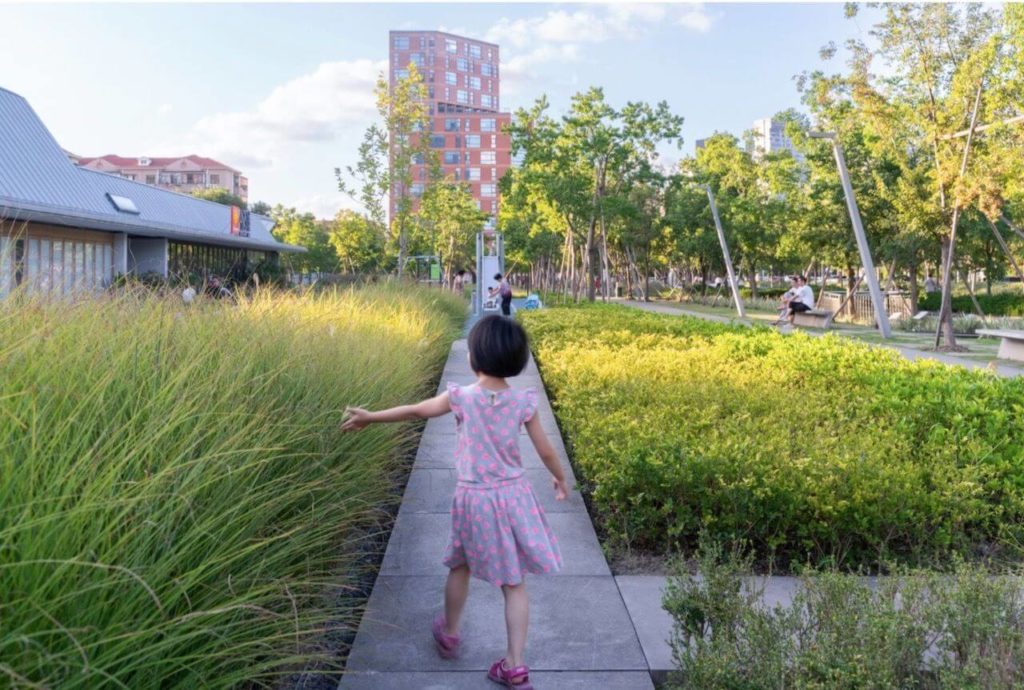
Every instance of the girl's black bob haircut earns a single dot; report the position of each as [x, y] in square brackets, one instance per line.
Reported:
[498, 347]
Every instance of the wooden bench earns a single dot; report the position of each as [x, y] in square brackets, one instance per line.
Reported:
[814, 318]
[1012, 345]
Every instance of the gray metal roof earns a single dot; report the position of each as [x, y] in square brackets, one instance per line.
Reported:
[39, 183]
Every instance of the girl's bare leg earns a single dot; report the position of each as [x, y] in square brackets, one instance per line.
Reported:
[455, 592]
[517, 620]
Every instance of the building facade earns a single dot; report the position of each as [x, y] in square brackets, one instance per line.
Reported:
[185, 174]
[467, 126]
[66, 229]
[770, 136]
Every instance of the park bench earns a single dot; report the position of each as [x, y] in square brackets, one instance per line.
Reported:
[1012, 345]
[814, 318]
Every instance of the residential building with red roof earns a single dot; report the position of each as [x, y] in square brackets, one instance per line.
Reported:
[183, 174]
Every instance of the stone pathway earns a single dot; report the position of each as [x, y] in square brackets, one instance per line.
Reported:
[581, 634]
[1001, 367]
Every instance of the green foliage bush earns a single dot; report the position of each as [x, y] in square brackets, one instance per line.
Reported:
[928, 630]
[816, 450]
[179, 508]
[1009, 303]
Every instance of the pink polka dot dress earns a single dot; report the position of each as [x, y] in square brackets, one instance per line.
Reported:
[498, 527]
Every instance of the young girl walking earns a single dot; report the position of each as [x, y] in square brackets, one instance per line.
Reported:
[499, 532]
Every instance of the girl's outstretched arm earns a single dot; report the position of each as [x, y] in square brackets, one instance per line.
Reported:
[356, 418]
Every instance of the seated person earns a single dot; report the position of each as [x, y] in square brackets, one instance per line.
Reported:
[787, 297]
[803, 300]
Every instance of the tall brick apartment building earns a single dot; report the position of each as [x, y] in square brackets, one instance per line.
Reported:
[463, 82]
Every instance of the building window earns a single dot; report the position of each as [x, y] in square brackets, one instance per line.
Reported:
[190, 178]
[437, 141]
[451, 45]
[494, 208]
[150, 179]
[417, 189]
[473, 174]
[401, 43]
[486, 69]
[486, 100]
[450, 78]
[487, 124]
[451, 157]
[457, 172]
[451, 124]
[474, 83]
[494, 141]
[462, 64]
[417, 159]
[472, 141]
[488, 190]
[474, 51]
[401, 74]
[494, 173]
[462, 96]
[487, 157]
[416, 59]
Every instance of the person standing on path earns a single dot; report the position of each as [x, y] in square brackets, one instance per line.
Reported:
[499, 532]
[504, 290]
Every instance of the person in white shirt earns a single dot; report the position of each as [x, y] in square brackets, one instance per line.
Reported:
[803, 299]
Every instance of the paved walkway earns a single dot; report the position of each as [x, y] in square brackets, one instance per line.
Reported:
[581, 634]
[1001, 367]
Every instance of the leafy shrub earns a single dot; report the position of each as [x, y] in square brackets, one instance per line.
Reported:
[814, 449]
[998, 304]
[179, 507]
[917, 630]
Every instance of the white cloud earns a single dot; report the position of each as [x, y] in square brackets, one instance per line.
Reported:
[313, 108]
[561, 35]
[164, 108]
[324, 205]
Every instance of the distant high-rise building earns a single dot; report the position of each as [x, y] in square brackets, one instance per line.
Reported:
[463, 83]
[770, 136]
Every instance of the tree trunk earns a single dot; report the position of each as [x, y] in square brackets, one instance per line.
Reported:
[752, 277]
[914, 294]
[851, 285]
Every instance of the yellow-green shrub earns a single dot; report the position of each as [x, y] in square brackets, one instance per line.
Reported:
[813, 448]
[178, 508]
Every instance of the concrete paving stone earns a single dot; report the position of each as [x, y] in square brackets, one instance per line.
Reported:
[578, 624]
[642, 594]
[431, 491]
[477, 680]
[418, 542]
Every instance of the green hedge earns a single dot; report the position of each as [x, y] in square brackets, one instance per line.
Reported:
[178, 507]
[999, 304]
[816, 449]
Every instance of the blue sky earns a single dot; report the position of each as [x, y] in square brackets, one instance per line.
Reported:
[284, 92]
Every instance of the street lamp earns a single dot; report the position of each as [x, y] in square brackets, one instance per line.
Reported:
[725, 255]
[881, 316]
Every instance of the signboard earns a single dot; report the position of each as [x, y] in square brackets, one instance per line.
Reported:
[490, 266]
[435, 271]
[236, 220]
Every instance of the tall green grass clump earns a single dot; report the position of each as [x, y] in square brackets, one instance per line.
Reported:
[815, 450]
[179, 508]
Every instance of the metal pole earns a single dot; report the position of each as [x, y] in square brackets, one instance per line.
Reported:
[725, 254]
[881, 315]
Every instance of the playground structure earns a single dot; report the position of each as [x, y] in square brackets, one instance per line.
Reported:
[490, 261]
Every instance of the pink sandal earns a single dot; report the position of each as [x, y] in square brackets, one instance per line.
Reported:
[518, 677]
[447, 645]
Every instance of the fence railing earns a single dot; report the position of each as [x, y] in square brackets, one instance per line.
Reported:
[860, 309]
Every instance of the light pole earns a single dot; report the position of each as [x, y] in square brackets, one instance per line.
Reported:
[881, 316]
[725, 255]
